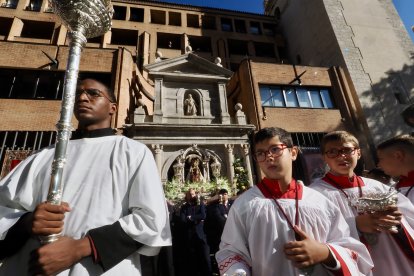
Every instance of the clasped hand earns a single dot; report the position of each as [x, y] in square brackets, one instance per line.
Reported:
[380, 221]
[307, 251]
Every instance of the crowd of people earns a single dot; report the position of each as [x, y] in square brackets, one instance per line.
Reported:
[114, 211]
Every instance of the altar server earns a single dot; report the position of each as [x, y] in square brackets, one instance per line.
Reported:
[281, 227]
[391, 248]
[113, 206]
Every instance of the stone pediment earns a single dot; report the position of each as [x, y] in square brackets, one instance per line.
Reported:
[188, 66]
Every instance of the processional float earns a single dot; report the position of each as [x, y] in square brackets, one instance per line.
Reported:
[84, 19]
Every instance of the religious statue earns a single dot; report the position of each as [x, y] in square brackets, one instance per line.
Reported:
[194, 174]
[190, 107]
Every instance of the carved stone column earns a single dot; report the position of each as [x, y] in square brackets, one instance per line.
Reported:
[158, 113]
[247, 164]
[158, 150]
[206, 169]
[225, 117]
[230, 158]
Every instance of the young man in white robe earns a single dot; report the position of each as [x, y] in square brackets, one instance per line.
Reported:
[391, 250]
[113, 206]
[281, 227]
[396, 158]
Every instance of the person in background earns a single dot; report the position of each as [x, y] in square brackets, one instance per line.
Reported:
[281, 227]
[217, 212]
[379, 175]
[396, 158]
[197, 252]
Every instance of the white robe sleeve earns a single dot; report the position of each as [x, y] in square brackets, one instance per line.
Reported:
[148, 222]
[233, 258]
[17, 195]
[351, 253]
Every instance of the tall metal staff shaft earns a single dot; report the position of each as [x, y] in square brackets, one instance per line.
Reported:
[64, 126]
[85, 19]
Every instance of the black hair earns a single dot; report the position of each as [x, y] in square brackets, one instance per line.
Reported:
[223, 191]
[111, 94]
[270, 132]
[378, 174]
[403, 142]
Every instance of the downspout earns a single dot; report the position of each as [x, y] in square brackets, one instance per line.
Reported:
[252, 88]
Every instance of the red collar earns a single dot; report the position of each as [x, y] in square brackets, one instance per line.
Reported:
[343, 182]
[406, 181]
[270, 189]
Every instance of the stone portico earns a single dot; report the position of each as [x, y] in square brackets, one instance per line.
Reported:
[207, 133]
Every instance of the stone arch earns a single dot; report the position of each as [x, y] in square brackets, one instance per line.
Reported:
[168, 163]
[205, 156]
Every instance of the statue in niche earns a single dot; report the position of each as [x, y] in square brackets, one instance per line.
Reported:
[190, 108]
[194, 174]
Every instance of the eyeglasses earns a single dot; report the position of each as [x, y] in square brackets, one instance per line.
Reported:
[333, 153]
[275, 151]
[92, 94]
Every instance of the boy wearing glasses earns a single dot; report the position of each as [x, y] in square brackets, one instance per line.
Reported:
[391, 250]
[396, 158]
[113, 205]
[281, 227]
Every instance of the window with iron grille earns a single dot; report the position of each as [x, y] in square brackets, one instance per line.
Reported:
[25, 142]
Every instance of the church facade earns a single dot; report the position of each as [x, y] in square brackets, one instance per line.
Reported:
[192, 83]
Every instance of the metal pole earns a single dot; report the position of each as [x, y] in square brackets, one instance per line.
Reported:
[64, 126]
[85, 19]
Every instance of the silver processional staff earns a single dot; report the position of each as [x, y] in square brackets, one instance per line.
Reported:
[84, 19]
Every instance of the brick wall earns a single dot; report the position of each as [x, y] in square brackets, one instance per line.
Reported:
[284, 74]
[244, 88]
[22, 55]
[92, 60]
[302, 119]
[29, 115]
[30, 56]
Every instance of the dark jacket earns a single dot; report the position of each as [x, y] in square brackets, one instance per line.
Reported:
[215, 221]
[193, 216]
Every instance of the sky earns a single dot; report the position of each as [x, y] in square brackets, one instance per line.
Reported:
[405, 8]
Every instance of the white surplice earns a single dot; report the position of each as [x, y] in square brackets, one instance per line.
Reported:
[106, 179]
[388, 258]
[410, 195]
[256, 232]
